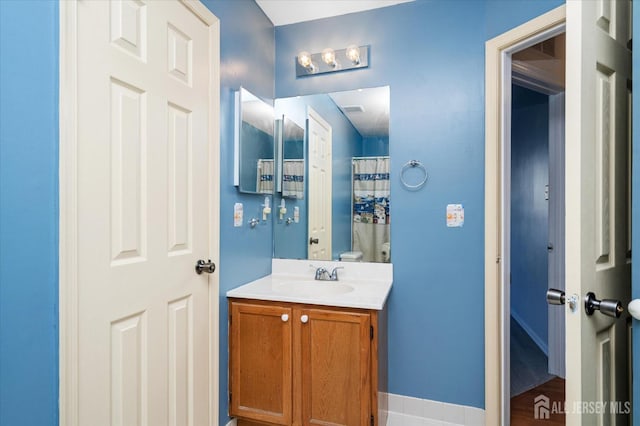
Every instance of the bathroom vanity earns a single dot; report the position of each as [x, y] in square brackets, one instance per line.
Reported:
[303, 351]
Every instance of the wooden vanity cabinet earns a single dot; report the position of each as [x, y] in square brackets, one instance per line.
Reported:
[260, 362]
[293, 364]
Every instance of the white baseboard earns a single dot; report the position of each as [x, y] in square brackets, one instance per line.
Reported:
[409, 411]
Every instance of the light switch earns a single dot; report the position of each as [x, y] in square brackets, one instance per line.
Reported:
[455, 215]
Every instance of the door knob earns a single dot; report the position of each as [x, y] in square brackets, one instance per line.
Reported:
[634, 308]
[608, 307]
[284, 317]
[555, 297]
[304, 319]
[313, 241]
[201, 266]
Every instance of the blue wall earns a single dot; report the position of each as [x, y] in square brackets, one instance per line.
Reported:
[437, 117]
[635, 218]
[247, 49]
[529, 212]
[28, 213]
[375, 146]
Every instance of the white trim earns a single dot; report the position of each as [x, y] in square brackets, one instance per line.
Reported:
[406, 410]
[497, 143]
[214, 202]
[556, 319]
[68, 231]
[68, 202]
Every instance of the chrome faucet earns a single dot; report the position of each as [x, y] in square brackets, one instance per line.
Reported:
[334, 273]
[322, 274]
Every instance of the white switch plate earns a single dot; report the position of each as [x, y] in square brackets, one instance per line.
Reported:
[237, 215]
[455, 215]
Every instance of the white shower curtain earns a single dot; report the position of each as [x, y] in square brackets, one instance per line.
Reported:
[371, 218]
[293, 179]
[264, 182]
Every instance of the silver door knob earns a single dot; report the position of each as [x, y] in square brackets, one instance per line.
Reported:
[555, 297]
[201, 266]
[609, 307]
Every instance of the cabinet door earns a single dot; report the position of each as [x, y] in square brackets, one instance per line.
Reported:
[335, 386]
[260, 361]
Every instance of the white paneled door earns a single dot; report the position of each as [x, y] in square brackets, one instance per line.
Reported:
[598, 99]
[146, 212]
[320, 190]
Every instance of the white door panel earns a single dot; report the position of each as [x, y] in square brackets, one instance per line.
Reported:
[320, 187]
[143, 214]
[597, 150]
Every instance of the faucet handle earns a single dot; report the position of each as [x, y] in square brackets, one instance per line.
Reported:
[334, 272]
[321, 272]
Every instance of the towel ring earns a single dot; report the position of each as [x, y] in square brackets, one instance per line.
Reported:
[410, 165]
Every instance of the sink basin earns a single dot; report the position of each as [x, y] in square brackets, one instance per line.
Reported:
[312, 288]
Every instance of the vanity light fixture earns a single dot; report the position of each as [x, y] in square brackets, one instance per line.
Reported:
[306, 61]
[353, 54]
[331, 60]
[329, 57]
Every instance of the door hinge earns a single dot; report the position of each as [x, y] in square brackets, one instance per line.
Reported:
[230, 319]
[230, 397]
[371, 332]
[373, 420]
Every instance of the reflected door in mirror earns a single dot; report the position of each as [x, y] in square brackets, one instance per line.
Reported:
[319, 187]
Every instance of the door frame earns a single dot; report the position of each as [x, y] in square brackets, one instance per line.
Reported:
[497, 202]
[68, 320]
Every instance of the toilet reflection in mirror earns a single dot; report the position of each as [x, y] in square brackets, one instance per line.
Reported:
[342, 168]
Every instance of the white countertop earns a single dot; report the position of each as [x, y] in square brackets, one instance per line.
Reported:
[360, 285]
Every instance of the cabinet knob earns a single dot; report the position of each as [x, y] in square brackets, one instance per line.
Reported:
[304, 319]
[284, 317]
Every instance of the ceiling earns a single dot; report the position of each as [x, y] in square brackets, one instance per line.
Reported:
[541, 67]
[367, 109]
[284, 12]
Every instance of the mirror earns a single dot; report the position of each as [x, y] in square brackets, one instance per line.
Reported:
[357, 217]
[291, 159]
[254, 144]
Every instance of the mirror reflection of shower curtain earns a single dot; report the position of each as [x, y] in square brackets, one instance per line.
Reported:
[371, 219]
[264, 184]
[293, 179]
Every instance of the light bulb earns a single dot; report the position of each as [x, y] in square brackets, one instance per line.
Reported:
[329, 57]
[304, 59]
[353, 54]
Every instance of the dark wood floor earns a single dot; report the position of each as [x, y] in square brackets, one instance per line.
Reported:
[522, 406]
